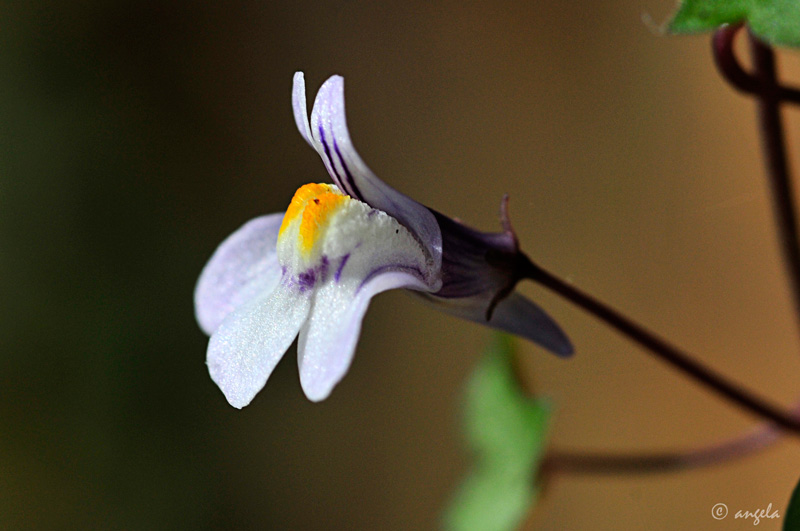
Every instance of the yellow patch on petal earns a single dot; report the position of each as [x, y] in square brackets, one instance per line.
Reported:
[302, 196]
[313, 204]
[315, 217]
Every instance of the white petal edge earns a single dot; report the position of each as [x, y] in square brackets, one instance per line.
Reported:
[328, 341]
[300, 108]
[328, 115]
[250, 342]
[243, 267]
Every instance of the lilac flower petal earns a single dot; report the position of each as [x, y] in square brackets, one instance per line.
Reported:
[328, 341]
[244, 266]
[332, 141]
[251, 341]
[514, 314]
[300, 108]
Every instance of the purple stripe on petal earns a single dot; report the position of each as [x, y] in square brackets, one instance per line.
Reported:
[341, 266]
[350, 181]
[412, 270]
[328, 115]
[308, 279]
[341, 183]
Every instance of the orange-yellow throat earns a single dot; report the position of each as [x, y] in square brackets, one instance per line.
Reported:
[314, 203]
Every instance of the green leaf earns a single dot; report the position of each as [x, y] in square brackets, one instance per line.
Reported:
[506, 430]
[489, 501]
[792, 520]
[774, 21]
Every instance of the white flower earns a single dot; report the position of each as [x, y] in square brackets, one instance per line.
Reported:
[314, 269]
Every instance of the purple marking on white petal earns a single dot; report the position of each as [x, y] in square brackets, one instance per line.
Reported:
[328, 114]
[308, 279]
[372, 212]
[341, 266]
[336, 177]
[402, 268]
[350, 181]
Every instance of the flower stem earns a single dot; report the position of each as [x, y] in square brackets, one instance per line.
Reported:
[774, 148]
[661, 348]
[763, 85]
[595, 463]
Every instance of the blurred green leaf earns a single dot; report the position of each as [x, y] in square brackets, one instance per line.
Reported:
[792, 520]
[775, 21]
[506, 430]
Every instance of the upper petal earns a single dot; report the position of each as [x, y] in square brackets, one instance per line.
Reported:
[328, 341]
[331, 139]
[300, 108]
[251, 341]
[244, 266]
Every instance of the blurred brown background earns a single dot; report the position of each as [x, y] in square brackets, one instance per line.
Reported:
[137, 135]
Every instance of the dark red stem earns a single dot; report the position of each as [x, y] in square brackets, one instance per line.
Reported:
[774, 148]
[732, 71]
[764, 86]
[661, 348]
[582, 462]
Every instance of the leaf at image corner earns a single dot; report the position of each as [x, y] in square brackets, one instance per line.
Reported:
[792, 520]
[507, 430]
[775, 21]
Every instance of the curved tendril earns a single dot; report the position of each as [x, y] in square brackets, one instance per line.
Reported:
[725, 59]
[732, 71]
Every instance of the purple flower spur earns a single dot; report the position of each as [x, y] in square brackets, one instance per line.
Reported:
[313, 269]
